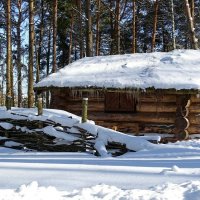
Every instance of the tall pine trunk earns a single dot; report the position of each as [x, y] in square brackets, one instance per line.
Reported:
[48, 65]
[19, 65]
[89, 34]
[9, 55]
[134, 27]
[31, 54]
[117, 27]
[80, 39]
[155, 21]
[98, 27]
[173, 25]
[71, 37]
[194, 40]
[112, 32]
[39, 50]
[55, 10]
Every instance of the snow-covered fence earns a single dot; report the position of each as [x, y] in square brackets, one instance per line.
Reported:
[64, 133]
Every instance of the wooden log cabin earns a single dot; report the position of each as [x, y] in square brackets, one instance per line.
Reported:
[136, 94]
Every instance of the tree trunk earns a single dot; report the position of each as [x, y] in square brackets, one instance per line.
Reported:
[111, 29]
[192, 9]
[48, 64]
[31, 54]
[134, 27]
[55, 10]
[79, 7]
[117, 26]
[155, 21]
[194, 40]
[9, 54]
[39, 51]
[19, 66]
[98, 27]
[2, 103]
[71, 37]
[173, 26]
[89, 36]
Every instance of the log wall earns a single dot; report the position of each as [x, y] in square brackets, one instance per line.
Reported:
[155, 112]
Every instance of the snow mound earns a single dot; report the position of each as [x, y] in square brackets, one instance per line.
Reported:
[187, 191]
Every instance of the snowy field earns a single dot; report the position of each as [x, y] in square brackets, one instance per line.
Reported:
[170, 173]
[155, 171]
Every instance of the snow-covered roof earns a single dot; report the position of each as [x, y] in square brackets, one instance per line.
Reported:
[179, 69]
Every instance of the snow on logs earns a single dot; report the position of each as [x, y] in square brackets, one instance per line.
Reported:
[72, 137]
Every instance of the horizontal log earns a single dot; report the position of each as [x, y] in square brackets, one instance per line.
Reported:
[78, 100]
[195, 98]
[70, 95]
[145, 97]
[156, 107]
[166, 118]
[124, 127]
[172, 91]
[92, 107]
[194, 108]
[156, 128]
[194, 129]
[194, 118]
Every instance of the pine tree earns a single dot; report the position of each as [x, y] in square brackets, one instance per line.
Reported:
[55, 10]
[8, 56]
[31, 54]
[19, 50]
[89, 33]
[194, 40]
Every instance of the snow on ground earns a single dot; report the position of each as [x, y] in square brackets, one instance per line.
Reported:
[176, 69]
[163, 171]
[188, 190]
[147, 174]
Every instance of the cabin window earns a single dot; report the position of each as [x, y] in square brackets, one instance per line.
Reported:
[119, 102]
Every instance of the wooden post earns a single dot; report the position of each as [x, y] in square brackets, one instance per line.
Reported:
[84, 109]
[40, 108]
[9, 100]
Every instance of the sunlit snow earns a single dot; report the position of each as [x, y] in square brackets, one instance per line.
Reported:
[178, 69]
[156, 171]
